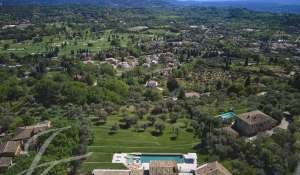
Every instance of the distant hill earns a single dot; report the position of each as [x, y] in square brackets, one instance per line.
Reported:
[278, 6]
[125, 3]
[251, 1]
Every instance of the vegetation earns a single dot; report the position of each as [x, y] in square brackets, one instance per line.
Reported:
[87, 67]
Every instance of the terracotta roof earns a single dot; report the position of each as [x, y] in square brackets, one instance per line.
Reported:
[163, 164]
[43, 126]
[23, 133]
[26, 132]
[9, 147]
[212, 169]
[5, 162]
[255, 117]
[137, 172]
[230, 131]
[110, 172]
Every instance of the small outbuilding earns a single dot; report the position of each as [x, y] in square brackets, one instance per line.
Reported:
[151, 84]
[192, 95]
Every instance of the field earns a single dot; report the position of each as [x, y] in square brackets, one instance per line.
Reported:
[88, 41]
[105, 145]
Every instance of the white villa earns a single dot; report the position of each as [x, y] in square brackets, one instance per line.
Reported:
[161, 164]
[186, 162]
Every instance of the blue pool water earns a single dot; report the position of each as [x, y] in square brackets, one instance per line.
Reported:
[227, 115]
[147, 158]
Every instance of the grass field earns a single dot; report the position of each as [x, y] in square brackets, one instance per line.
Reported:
[106, 145]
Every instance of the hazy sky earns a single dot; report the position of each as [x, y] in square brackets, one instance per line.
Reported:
[270, 1]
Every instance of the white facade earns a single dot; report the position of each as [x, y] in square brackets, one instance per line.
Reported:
[134, 159]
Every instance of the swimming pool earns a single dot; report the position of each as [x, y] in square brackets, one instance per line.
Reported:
[227, 115]
[146, 158]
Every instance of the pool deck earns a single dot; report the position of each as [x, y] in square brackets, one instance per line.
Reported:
[135, 160]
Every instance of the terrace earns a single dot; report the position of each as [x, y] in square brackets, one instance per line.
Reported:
[186, 162]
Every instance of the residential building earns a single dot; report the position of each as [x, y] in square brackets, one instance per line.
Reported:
[151, 84]
[5, 162]
[162, 164]
[163, 167]
[10, 149]
[26, 132]
[251, 123]
[23, 134]
[213, 168]
[111, 172]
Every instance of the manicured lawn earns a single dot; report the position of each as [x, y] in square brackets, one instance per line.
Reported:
[106, 145]
[87, 167]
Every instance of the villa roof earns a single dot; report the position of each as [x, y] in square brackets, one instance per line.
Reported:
[163, 164]
[5, 162]
[255, 117]
[42, 126]
[23, 133]
[230, 131]
[110, 172]
[137, 172]
[212, 169]
[9, 147]
[27, 131]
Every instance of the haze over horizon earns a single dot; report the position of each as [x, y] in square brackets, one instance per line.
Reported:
[263, 1]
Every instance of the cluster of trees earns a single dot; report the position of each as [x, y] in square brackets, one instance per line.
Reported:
[273, 155]
[77, 93]
[49, 91]
[71, 142]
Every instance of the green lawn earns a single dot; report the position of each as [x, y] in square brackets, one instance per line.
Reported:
[106, 145]
[88, 167]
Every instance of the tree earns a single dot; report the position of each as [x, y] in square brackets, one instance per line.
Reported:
[90, 79]
[113, 129]
[172, 84]
[159, 127]
[107, 69]
[296, 81]
[47, 92]
[102, 116]
[248, 81]
[175, 133]
[235, 88]
[181, 94]
[6, 46]
[128, 121]
[28, 120]
[173, 117]
[246, 61]
[152, 94]
[6, 122]
[15, 92]
[152, 119]
[115, 85]
[75, 92]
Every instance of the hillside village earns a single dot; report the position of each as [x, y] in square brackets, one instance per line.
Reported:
[15, 146]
